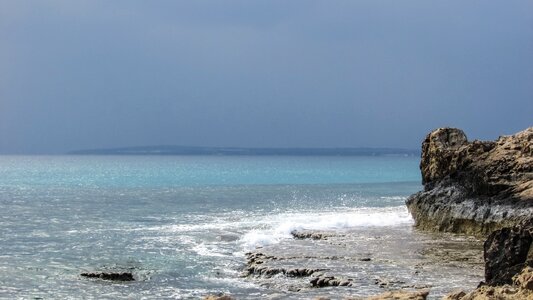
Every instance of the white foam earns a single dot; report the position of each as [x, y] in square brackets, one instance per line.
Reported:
[282, 225]
[393, 197]
[205, 250]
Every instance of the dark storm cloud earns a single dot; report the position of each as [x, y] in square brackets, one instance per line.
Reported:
[91, 74]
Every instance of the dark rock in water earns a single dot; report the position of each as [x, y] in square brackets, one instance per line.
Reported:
[271, 271]
[326, 281]
[474, 187]
[507, 252]
[313, 235]
[110, 276]
[255, 266]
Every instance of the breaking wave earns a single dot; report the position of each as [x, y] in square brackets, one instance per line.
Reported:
[279, 227]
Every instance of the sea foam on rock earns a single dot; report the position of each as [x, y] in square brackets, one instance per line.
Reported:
[474, 187]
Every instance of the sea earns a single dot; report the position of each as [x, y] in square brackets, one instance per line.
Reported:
[182, 225]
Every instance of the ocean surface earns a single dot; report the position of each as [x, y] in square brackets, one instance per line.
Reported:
[182, 224]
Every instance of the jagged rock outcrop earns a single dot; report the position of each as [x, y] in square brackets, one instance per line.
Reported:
[474, 187]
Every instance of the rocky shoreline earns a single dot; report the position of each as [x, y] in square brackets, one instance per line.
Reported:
[485, 189]
[479, 188]
[394, 263]
[476, 189]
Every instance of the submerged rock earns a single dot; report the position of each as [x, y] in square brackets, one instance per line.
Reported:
[313, 235]
[110, 276]
[474, 187]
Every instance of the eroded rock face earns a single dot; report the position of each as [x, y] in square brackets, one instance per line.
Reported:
[474, 187]
[438, 153]
[506, 252]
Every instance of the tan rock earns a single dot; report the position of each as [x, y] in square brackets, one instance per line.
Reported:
[520, 290]
[438, 151]
[524, 280]
[457, 295]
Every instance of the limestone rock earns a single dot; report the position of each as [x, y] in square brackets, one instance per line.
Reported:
[457, 295]
[520, 290]
[438, 153]
[474, 187]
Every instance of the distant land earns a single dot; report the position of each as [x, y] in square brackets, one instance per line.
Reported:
[188, 150]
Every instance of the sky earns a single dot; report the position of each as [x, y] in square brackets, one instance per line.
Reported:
[99, 74]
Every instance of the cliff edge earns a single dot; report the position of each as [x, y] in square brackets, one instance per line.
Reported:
[474, 187]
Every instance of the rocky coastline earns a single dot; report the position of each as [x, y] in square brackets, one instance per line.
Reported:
[479, 190]
[485, 189]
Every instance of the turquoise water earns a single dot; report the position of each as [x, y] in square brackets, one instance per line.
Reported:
[181, 224]
[172, 171]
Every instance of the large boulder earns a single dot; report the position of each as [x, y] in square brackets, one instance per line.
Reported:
[474, 187]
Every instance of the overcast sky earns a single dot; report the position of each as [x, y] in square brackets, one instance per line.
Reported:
[94, 74]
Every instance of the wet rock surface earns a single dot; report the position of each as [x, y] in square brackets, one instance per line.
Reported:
[474, 187]
[125, 276]
[309, 234]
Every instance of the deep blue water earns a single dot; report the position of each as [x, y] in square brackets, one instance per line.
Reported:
[181, 223]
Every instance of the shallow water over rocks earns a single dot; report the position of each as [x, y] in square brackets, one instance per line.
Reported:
[364, 262]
